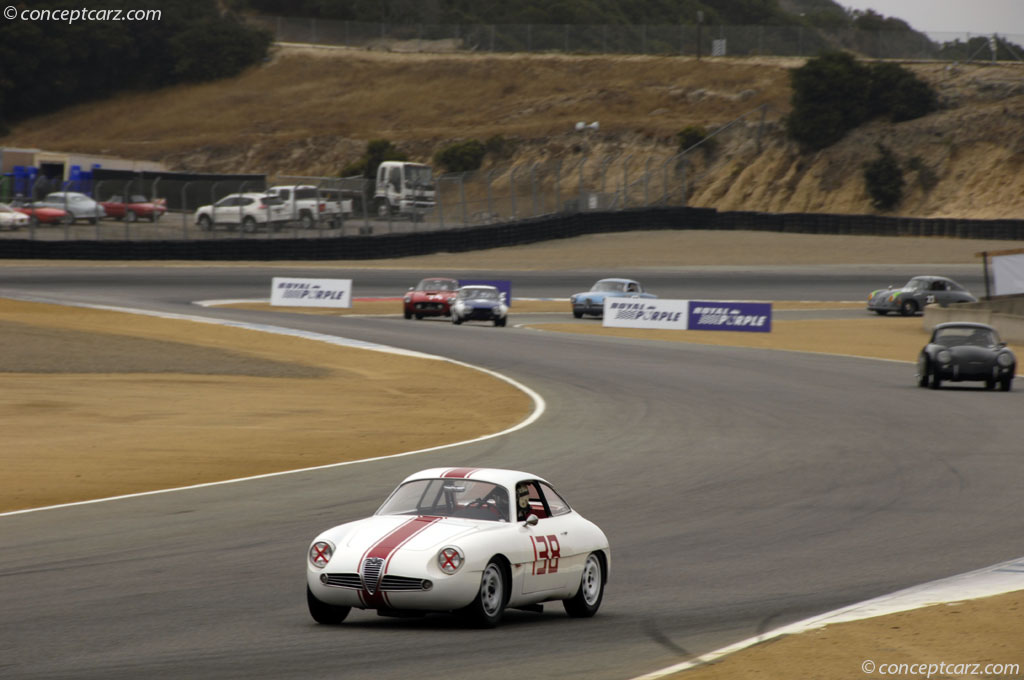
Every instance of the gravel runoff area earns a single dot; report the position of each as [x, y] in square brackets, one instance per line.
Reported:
[159, 404]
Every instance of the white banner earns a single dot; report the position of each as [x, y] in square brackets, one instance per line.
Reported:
[625, 312]
[311, 292]
[1007, 274]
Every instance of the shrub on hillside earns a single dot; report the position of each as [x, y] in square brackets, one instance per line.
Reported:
[693, 135]
[461, 156]
[834, 93]
[884, 179]
[377, 151]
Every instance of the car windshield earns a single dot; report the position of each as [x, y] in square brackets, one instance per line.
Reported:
[417, 174]
[437, 284]
[916, 284]
[465, 498]
[139, 198]
[479, 293]
[608, 287]
[957, 336]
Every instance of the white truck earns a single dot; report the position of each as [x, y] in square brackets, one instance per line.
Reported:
[309, 205]
[403, 188]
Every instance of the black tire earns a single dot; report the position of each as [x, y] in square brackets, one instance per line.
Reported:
[323, 613]
[407, 314]
[578, 315]
[500, 322]
[419, 316]
[587, 599]
[935, 382]
[908, 308]
[383, 209]
[205, 223]
[922, 372]
[249, 224]
[130, 216]
[881, 312]
[306, 220]
[489, 605]
[456, 320]
[1006, 384]
[92, 220]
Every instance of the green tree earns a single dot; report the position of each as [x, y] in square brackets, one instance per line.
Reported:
[884, 179]
[830, 98]
[461, 156]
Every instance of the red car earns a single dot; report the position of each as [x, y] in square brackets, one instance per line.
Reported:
[41, 215]
[137, 206]
[430, 297]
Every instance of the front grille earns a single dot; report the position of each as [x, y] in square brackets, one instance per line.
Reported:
[351, 581]
[372, 567]
[401, 583]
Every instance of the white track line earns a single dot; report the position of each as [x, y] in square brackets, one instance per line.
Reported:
[539, 405]
[1005, 577]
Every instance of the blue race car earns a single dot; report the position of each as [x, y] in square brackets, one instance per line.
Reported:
[592, 301]
[479, 303]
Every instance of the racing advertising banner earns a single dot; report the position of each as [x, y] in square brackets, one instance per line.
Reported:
[285, 292]
[681, 315]
[755, 317]
[628, 312]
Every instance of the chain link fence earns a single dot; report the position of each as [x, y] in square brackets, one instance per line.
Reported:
[692, 40]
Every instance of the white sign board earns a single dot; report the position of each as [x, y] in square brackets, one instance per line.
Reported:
[286, 292]
[1008, 274]
[627, 312]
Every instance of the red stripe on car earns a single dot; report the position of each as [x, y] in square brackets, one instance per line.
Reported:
[459, 473]
[385, 549]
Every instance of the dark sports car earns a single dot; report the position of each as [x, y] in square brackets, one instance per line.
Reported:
[430, 297]
[916, 293]
[960, 351]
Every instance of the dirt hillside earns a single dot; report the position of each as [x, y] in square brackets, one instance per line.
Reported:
[310, 111]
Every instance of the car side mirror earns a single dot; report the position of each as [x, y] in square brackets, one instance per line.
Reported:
[1001, 345]
[531, 521]
[411, 287]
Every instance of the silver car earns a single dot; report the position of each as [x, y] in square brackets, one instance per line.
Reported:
[78, 205]
[916, 293]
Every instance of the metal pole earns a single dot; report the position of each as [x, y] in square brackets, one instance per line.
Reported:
[512, 184]
[462, 197]
[533, 189]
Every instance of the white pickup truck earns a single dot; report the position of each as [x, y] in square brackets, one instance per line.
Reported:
[311, 206]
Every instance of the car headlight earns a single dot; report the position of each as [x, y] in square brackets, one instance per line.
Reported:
[407, 300]
[944, 356]
[572, 299]
[320, 553]
[1005, 359]
[450, 559]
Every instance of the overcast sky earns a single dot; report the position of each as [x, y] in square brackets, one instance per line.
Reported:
[1005, 17]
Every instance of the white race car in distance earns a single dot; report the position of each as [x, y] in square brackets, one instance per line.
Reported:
[471, 540]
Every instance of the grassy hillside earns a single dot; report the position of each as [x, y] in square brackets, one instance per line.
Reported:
[310, 111]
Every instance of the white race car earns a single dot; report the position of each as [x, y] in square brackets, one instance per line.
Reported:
[470, 540]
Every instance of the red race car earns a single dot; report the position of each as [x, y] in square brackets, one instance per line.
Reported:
[430, 297]
[136, 207]
[41, 215]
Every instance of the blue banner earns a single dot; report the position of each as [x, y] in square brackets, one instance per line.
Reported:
[754, 317]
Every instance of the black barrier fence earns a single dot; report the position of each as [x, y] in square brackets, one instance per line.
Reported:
[465, 239]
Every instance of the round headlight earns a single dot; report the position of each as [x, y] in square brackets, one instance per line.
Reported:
[407, 300]
[450, 559]
[1005, 359]
[944, 356]
[320, 554]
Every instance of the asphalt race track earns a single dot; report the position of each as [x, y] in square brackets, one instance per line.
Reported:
[741, 490]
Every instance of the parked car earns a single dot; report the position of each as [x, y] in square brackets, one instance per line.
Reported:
[12, 219]
[245, 210]
[471, 540]
[591, 302]
[134, 207]
[479, 303]
[916, 293]
[961, 350]
[38, 214]
[430, 297]
[308, 206]
[78, 205]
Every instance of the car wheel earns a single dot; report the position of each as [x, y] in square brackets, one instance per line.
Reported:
[922, 372]
[456, 319]
[419, 316]
[205, 223]
[936, 381]
[407, 314]
[67, 219]
[327, 614]
[578, 315]
[130, 216]
[1006, 384]
[908, 308]
[93, 220]
[489, 605]
[499, 322]
[881, 312]
[249, 224]
[587, 600]
[383, 208]
[306, 220]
